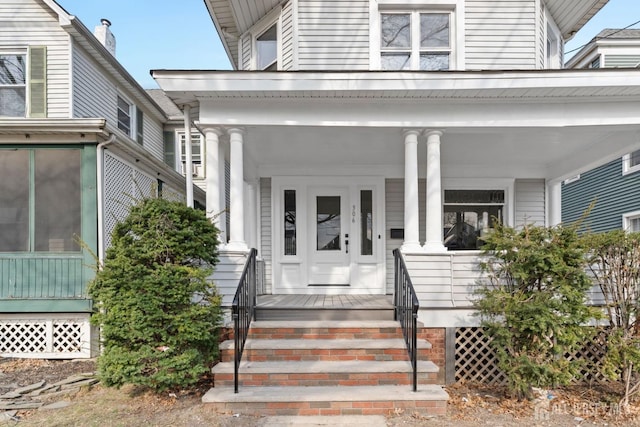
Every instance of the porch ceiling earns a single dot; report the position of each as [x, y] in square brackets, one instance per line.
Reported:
[466, 153]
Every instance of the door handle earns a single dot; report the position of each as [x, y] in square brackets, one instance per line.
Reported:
[346, 243]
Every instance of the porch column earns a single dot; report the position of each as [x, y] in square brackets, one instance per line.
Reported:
[188, 155]
[236, 208]
[434, 241]
[554, 189]
[411, 208]
[214, 164]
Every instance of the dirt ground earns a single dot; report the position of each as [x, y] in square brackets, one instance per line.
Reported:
[470, 406]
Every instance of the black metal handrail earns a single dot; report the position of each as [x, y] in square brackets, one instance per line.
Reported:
[406, 305]
[243, 310]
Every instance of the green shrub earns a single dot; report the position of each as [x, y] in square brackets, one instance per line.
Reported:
[534, 305]
[158, 315]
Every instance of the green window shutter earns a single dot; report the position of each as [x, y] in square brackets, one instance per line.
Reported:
[139, 125]
[37, 81]
[170, 149]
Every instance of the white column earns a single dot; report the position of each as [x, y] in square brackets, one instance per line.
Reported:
[554, 189]
[188, 156]
[411, 208]
[434, 237]
[236, 208]
[215, 186]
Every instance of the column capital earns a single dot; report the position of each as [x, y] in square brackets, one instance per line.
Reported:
[218, 130]
[432, 132]
[411, 132]
[236, 131]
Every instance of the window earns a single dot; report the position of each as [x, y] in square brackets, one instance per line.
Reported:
[631, 222]
[40, 200]
[595, 63]
[267, 49]
[470, 214]
[631, 162]
[196, 155]
[366, 222]
[139, 126]
[124, 115]
[289, 222]
[13, 85]
[415, 41]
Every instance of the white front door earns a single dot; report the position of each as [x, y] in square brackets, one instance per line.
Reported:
[328, 237]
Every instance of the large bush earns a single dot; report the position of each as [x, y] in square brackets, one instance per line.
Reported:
[158, 315]
[534, 307]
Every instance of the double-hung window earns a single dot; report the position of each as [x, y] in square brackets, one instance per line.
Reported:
[130, 119]
[469, 215]
[631, 162]
[631, 222]
[197, 169]
[267, 49]
[415, 40]
[13, 85]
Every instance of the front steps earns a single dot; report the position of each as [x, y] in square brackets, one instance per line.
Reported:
[326, 368]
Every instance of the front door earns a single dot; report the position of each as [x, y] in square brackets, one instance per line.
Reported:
[329, 237]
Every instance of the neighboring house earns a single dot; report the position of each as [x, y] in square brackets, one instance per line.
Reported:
[79, 140]
[613, 188]
[354, 128]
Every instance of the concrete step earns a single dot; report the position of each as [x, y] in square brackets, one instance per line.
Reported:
[320, 373]
[262, 350]
[313, 401]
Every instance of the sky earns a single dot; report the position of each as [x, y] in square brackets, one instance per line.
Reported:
[179, 34]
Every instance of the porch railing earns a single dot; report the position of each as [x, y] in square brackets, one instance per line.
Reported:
[406, 311]
[243, 310]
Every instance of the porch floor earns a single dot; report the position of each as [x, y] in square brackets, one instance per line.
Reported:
[324, 307]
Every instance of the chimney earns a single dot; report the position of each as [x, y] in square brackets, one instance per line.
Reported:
[105, 36]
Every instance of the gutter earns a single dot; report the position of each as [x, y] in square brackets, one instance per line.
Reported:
[100, 195]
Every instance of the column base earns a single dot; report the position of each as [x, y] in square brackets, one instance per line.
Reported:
[434, 248]
[235, 247]
[411, 248]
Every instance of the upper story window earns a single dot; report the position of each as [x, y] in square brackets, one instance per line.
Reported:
[130, 120]
[13, 85]
[197, 165]
[631, 162]
[415, 41]
[267, 49]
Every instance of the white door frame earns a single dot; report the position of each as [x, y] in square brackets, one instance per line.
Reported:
[291, 272]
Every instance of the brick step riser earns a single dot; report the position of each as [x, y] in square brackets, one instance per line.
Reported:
[334, 355]
[332, 380]
[434, 408]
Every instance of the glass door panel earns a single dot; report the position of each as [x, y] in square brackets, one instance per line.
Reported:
[328, 223]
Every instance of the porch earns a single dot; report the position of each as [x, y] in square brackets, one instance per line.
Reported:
[342, 307]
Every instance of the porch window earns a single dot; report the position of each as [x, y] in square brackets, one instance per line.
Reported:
[40, 200]
[290, 222]
[631, 162]
[13, 85]
[469, 215]
[197, 169]
[415, 41]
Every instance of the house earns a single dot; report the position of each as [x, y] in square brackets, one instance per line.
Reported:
[355, 128]
[79, 140]
[613, 187]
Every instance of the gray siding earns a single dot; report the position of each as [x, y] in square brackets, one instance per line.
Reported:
[541, 46]
[333, 35]
[27, 22]
[500, 34]
[245, 53]
[265, 231]
[621, 61]
[226, 276]
[613, 193]
[530, 202]
[288, 59]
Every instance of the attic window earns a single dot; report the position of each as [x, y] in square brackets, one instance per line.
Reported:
[267, 49]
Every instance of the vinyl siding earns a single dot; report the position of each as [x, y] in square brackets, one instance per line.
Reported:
[266, 238]
[245, 53]
[500, 34]
[621, 61]
[226, 276]
[613, 193]
[288, 60]
[541, 46]
[27, 22]
[530, 202]
[333, 35]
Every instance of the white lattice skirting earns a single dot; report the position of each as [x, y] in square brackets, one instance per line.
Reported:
[47, 336]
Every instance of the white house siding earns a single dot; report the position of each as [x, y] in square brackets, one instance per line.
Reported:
[333, 35]
[542, 28]
[94, 95]
[26, 22]
[530, 202]
[621, 61]
[288, 60]
[266, 232]
[226, 275]
[153, 137]
[500, 34]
